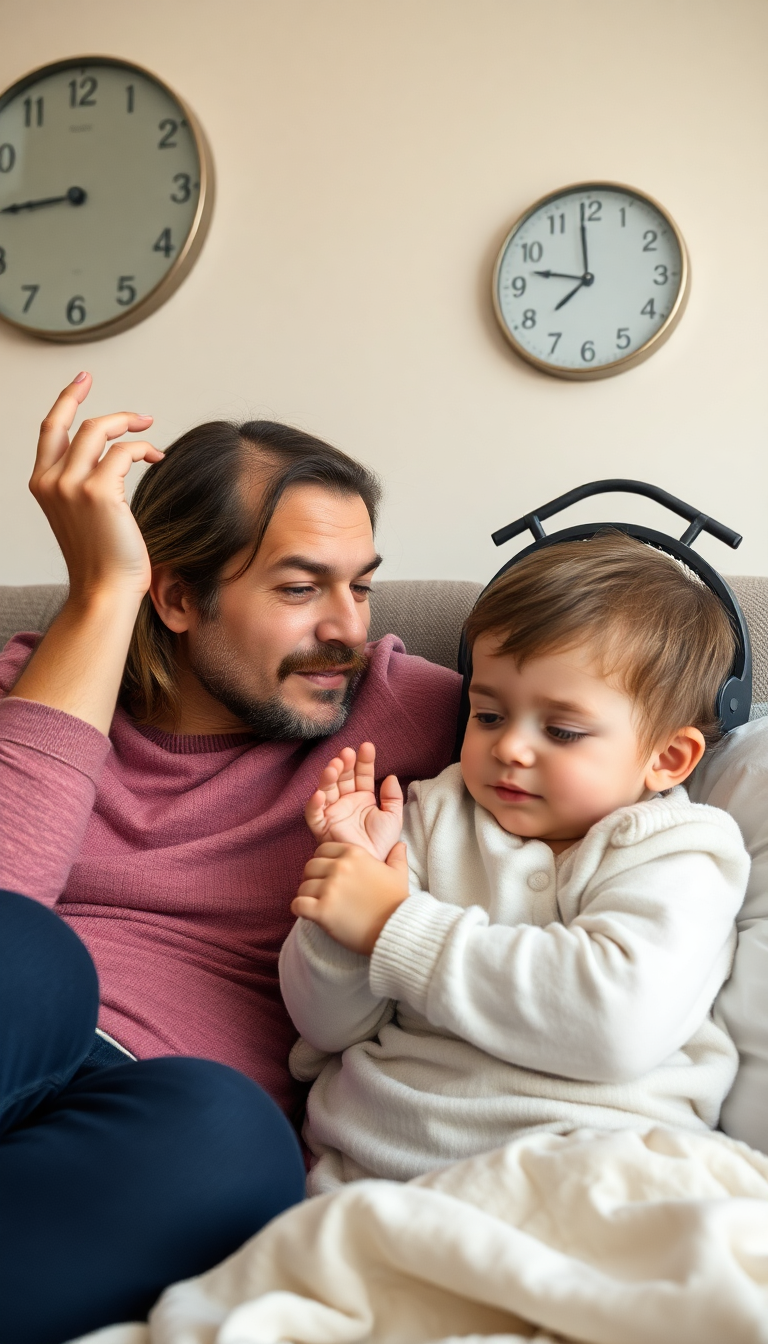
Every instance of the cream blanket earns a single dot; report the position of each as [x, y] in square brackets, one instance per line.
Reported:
[620, 1238]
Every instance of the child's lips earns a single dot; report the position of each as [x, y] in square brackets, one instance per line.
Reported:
[512, 793]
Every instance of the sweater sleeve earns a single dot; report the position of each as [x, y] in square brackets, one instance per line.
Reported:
[326, 988]
[50, 764]
[326, 991]
[604, 998]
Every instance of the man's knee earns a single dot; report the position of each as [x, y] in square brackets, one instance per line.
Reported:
[220, 1133]
[49, 1000]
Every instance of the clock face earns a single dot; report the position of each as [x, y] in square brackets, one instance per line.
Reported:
[105, 193]
[590, 281]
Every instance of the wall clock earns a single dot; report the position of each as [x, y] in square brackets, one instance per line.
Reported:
[106, 194]
[591, 280]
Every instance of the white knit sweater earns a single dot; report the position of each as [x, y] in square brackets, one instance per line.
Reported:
[514, 991]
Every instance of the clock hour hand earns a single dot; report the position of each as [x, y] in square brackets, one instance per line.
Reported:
[75, 196]
[560, 275]
[583, 281]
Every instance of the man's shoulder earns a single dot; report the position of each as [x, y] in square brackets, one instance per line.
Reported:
[408, 708]
[408, 676]
[14, 658]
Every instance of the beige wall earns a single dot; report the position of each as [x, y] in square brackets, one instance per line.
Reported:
[371, 155]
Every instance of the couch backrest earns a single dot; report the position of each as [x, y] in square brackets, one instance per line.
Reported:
[427, 614]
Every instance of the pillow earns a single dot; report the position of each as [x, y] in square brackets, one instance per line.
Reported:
[735, 778]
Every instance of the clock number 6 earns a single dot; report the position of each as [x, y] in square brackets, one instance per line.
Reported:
[587, 352]
[76, 311]
[126, 293]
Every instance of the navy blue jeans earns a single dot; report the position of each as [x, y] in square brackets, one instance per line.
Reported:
[114, 1181]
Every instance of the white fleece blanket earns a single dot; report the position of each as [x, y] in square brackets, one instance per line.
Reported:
[623, 1238]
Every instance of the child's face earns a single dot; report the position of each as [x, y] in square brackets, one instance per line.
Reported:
[551, 747]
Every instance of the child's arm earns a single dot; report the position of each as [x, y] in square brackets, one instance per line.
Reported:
[344, 807]
[604, 998]
[326, 990]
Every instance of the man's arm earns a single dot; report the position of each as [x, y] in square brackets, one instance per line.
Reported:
[78, 666]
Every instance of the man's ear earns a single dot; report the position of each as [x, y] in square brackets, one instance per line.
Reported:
[170, 599]
[674, 759]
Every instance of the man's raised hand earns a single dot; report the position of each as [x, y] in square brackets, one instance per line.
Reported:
[344, 808]
[81, 490]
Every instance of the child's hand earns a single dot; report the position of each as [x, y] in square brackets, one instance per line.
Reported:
[350, 894]
[345, 809]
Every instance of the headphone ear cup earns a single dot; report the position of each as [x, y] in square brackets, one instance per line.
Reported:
[464, 666]
[734, 700]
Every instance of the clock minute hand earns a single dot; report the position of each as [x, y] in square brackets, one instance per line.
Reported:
[560, 275]
[75, 196]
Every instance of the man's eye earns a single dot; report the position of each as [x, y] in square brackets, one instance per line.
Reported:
[298, 590]
[564, 734]
[362, 589]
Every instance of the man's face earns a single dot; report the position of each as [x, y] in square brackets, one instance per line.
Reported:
[283, 653]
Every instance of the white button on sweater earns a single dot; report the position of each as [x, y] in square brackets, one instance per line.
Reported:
[494, 1004]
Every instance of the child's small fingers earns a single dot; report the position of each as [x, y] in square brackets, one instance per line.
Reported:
[318, 867]
[303, 907]
[365, 768]
[391, 794]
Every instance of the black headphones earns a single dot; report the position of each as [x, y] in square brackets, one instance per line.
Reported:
[734, 699]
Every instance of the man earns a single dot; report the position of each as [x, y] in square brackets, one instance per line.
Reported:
[229, 614]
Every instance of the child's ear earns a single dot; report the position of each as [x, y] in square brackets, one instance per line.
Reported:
[674, 759]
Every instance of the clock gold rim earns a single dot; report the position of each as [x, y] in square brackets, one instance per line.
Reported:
[653, 343]
[198, 229]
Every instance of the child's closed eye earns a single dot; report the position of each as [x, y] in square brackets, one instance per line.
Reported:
[564, 734]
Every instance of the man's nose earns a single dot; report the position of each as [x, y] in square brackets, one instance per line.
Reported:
[343, 621]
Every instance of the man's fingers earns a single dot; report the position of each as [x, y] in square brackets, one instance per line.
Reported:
[54, 431]
[364, 768]
[329, 780]
[391, 795]
[397, 858]
[93, 436]
[120, 458]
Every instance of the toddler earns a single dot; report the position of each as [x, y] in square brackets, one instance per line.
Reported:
[543, 951]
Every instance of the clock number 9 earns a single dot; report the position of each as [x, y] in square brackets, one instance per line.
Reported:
[76, 311]
[518, 286]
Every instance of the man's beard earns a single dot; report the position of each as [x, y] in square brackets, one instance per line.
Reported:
[272, 719]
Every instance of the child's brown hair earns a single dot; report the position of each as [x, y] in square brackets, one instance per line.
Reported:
[655, 626]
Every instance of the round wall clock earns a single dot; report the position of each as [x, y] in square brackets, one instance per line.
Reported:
[591, 280]
[106, 194]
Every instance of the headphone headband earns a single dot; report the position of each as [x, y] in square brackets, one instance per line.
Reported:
[734, 699]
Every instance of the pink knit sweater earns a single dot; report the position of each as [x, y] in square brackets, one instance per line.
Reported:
[175, 858]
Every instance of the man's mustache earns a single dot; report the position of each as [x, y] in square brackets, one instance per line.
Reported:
[323, 658]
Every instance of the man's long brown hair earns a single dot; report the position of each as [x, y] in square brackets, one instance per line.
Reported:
[654, 625]
[194, 514]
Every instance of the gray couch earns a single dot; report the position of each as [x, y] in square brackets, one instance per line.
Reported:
[427, 614]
